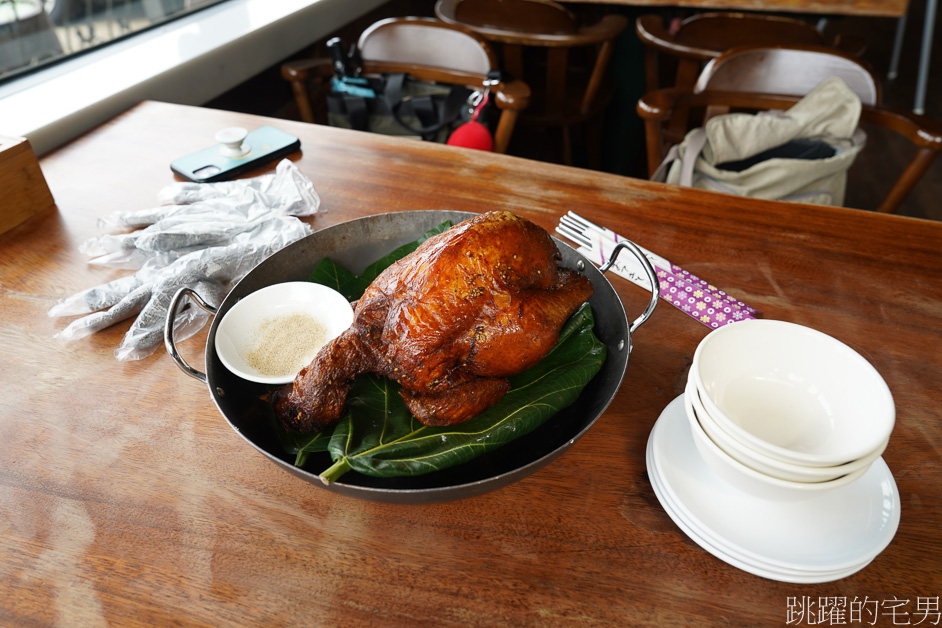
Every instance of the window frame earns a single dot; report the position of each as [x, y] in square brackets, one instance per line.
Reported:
[190, 60]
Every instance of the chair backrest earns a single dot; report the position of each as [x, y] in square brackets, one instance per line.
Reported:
[424, 43]
[717, 88]
[702, 37]
[792, 70]
[426, 49]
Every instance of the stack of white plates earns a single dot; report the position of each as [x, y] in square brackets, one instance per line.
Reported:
[820, 537]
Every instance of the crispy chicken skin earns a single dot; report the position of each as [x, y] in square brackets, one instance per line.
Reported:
[450, 322]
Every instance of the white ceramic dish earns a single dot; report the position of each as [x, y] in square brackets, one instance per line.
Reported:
[238, 333]
[771, 466]
[792, 392]
[831, 531]
[702, 537]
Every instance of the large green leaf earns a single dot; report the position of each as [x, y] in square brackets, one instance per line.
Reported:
[298, 444]
[378, 436]
[351, 286]
[329, 273]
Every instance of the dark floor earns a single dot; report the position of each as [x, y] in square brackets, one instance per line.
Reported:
[870, 177]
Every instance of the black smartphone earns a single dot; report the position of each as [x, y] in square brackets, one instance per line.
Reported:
[235, 154]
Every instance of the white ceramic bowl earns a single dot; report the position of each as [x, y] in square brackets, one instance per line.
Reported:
[743, 478]
[793, 393]
[765, 464]
[283, 326]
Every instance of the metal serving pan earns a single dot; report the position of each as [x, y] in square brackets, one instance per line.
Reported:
[354, 245]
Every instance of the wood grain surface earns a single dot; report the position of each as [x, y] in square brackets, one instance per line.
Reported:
[884, 8]
[126, 499]
[25, 192]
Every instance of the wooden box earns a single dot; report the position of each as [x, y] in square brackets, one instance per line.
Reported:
[23, 189]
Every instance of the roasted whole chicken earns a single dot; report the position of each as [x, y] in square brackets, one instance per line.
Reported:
[450, 322]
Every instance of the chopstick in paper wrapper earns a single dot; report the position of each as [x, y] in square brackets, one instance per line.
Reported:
[694, 296]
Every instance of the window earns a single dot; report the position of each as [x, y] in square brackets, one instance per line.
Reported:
[37, 33]
[190, 59]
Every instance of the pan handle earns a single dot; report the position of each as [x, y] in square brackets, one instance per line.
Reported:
[168, 330]
[648, 270]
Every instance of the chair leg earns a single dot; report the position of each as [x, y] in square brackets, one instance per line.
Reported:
[594, 132]
[567, 146]
[505, 127]
[687, 72]
[897, 47]
[655, 145]
[907, 181]
[302, 100]
[651, 69]
[927, 30]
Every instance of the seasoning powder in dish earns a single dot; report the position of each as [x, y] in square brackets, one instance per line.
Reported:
[283, 345]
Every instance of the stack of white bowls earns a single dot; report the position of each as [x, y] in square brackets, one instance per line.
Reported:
[779, 410]
[771, 459]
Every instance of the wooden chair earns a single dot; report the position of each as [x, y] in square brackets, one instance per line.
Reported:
[757, 78]
[791, 70]
[426, 49]
[568, 89]
[702, 37]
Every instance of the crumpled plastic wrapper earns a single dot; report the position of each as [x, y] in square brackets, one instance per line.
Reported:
[204, 236]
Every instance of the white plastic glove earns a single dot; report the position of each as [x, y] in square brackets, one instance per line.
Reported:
[221, 232]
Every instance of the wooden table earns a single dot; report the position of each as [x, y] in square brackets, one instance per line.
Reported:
[870, 8]
[127, 500]
[881, 8]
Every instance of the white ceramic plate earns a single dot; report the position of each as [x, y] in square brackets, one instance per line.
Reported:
[702, 538]
[238, 332]
[836, 531]
[759, 569]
